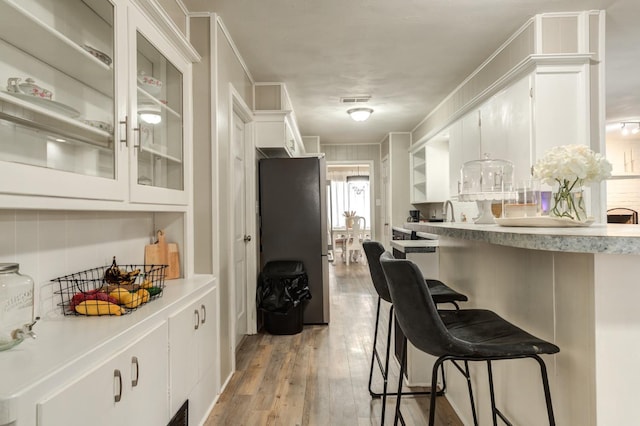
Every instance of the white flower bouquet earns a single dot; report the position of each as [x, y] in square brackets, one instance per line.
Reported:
[570, 167]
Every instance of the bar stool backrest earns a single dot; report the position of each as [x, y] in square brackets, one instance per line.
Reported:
[414, 308]
[373, 250]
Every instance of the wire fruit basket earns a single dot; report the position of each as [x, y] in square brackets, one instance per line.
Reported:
[110, 290]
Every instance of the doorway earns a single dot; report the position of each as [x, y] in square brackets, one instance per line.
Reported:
[350, 194]
[241, 210]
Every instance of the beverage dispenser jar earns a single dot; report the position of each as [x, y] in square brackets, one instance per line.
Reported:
[16, 306]
[486, 181]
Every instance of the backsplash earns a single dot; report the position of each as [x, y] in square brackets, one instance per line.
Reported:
[50, 244]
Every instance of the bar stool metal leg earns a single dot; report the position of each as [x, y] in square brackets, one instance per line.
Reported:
[384, 370]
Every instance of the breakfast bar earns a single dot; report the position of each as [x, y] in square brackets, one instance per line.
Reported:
[575, 287]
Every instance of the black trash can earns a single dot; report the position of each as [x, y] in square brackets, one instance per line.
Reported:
[283, 287]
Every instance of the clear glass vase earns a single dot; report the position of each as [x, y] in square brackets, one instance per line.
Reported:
[568, 201]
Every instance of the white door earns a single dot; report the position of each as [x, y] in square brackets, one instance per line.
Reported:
[239, 230]
[386, 208]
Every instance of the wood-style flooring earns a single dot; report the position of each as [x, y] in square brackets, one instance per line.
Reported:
[320, 376]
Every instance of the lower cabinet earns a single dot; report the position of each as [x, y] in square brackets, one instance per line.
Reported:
[193, 353]
[129, 388]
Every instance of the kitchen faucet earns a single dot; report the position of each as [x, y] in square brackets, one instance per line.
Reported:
[445, 209]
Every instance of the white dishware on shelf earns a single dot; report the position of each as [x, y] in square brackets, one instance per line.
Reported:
[29, 87]
[149, 84]
[48, 104]
[103, 57]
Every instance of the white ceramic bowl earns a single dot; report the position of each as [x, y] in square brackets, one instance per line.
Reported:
[149, 84]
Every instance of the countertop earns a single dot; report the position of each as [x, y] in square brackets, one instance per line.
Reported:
[415, 246]
[597, 238]
[75, 342]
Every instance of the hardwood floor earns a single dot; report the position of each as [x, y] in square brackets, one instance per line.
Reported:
[320, 376]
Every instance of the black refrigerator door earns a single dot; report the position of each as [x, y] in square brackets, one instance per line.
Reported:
[293, 222]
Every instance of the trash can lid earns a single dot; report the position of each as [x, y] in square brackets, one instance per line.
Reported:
[284, 268]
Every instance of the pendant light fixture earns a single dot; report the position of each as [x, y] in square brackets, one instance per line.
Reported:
[357, 178]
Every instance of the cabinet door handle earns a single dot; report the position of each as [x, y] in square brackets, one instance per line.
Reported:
[136, 138]
[197, 312]
[125, 139]
[116, 375]
[204, 314]
[134, 363]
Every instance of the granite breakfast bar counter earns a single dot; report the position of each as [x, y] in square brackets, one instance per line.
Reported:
[576, 287]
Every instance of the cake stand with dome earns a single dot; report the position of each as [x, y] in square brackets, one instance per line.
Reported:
[485, 182]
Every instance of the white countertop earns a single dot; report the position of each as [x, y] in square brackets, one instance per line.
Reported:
[73, 342]
[597, 238]
[404, 244]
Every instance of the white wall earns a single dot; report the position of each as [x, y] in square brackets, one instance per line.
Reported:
[221, 67]
[51, 244]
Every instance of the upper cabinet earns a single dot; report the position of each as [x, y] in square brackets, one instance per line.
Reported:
[521, 122]
[277, 133]
[160, 80]
[90, 107]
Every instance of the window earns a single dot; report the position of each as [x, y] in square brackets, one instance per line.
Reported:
[349, 196]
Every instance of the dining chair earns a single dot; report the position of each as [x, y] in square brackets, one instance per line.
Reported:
[355, 237]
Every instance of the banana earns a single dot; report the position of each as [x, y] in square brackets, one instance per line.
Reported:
[129, 300]
[144, 295]
[98, 307]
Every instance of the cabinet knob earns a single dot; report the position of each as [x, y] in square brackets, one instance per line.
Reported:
[197, 314]
[134, 379]
[204, 314]
[117, 384]
[247, 238]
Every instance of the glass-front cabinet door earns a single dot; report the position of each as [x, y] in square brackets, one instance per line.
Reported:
[161, 77]
[59, 132]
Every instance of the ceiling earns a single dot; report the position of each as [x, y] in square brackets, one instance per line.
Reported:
[407, 54]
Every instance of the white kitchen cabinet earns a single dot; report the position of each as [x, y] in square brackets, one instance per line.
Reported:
[542, 109]
[67, 376]
[80, 136]
[193, 354]
[131, 387]
[277, 135]
[505, 127]
[160, 111]
[62, 141]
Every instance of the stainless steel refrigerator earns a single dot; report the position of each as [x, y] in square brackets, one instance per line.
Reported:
[293, 223]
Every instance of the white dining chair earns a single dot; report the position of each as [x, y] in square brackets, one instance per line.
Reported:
[355, 237]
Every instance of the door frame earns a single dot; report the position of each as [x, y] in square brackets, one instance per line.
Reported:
[385, 214]
[372, 187]
[238, 106]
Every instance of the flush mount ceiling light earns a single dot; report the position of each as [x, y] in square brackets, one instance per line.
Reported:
[360, 114]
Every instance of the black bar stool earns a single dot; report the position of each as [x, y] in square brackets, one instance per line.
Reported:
[440, 292]
[457, 335]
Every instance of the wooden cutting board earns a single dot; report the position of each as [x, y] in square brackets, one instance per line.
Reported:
[163, 253]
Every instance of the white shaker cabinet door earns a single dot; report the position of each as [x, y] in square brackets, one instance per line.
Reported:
[193, 348]
[129, 388]
[505, 126]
